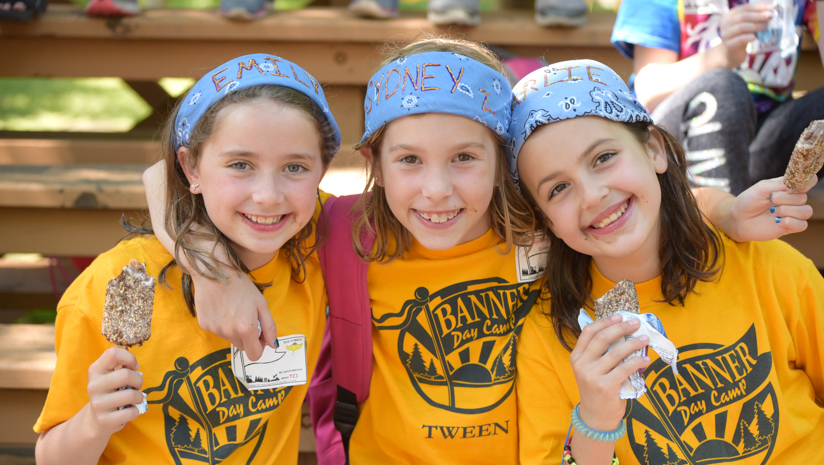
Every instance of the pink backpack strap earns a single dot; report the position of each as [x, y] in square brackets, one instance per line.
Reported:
[348, 344]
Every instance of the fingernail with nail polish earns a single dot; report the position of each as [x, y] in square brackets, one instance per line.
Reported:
[772, 209]
[777, 219]
[276, 343]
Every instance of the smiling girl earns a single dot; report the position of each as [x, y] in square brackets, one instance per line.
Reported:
[245, 151]
[746, 318]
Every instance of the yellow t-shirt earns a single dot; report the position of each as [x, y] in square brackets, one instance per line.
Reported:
[443, 337]
[750, 388]
[198, 410]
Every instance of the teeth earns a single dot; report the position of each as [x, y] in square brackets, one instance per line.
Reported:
[438, 217]
[264, 220]
[608, 220]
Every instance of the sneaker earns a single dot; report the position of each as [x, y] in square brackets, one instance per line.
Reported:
[458, 12]
[242, 10]
[112, 8]
[376, 9]
[560, 12]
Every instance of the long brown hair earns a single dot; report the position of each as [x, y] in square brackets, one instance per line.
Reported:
[690, 249]
[184, 210]
[511, 217]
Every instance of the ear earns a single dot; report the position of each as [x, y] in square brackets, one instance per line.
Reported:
[657, 147]
[184, 157]
[367, 154]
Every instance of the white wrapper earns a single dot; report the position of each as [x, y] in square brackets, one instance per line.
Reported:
[634, 386]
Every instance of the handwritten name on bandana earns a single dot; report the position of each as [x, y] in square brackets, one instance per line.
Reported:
[438, 82]
[567, 90]
[246, 71]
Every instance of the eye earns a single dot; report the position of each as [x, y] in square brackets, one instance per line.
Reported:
[295, 168]
[464, 157]
[557, 190]
[409, 159]
[604, 157]
[240, 165]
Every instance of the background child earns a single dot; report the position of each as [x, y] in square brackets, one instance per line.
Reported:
[746, 317]
[244, 153]
[725, 95]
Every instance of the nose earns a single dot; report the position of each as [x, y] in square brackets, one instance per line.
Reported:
[437, 183]
[592, 193]
[267, 190]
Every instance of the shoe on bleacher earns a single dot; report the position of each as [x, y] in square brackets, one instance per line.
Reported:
[560, 12]
[457, 12]
[112, 8]
[242, 10]
[376, 9]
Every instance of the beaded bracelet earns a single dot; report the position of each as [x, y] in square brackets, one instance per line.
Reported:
[595, 435]
[571, 461]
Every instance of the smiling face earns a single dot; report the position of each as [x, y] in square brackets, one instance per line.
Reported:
[597, 186]
[258, 174]
[439, 172]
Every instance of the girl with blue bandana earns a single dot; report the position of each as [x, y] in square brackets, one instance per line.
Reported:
[244, 153]
[612, 192]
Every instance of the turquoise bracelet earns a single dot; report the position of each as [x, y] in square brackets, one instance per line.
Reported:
[609, 436]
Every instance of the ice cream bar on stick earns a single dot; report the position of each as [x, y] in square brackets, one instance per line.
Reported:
[622, 297]
[807, 158]
[127, 315]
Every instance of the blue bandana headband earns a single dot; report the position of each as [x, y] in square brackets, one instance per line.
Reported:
[564, 91]
[438, 82]
[246, 71]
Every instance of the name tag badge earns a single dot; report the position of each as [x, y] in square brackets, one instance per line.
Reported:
[285, 366]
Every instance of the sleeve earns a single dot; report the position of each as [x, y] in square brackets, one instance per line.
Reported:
[78, 343]
[650, 23]
[543, 403]
[807, 329]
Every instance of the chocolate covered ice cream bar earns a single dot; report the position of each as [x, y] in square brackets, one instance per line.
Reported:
[807, 158]
[127, 315]
[622, 297]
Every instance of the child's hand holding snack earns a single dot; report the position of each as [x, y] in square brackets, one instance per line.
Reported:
[110, 406]
[738, 28]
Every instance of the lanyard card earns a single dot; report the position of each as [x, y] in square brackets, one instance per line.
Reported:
[285, 366]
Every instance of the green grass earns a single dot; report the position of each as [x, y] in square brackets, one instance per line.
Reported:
[52, 104]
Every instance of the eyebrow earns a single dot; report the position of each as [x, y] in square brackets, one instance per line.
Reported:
[583, 155]
[413, 148]
[246, 153]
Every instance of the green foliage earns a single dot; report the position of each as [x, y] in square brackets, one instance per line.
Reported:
[38, 316]
[59, 104]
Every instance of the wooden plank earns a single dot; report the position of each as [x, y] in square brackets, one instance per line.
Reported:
[61, 232]
[151, 60]
[27, 357]
[19, 409]
[77, 151]
[331, 63]
[73, 186]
